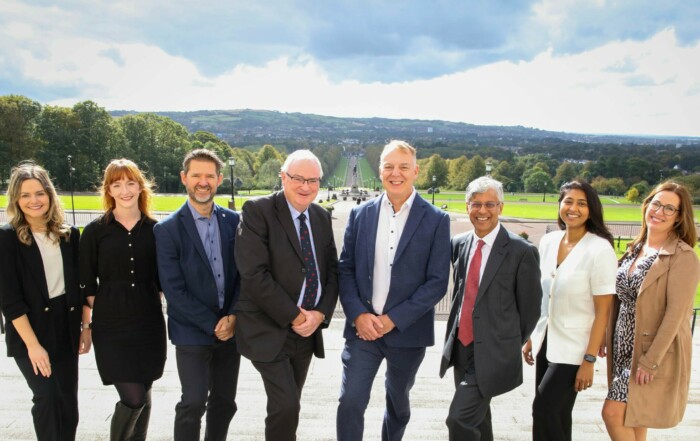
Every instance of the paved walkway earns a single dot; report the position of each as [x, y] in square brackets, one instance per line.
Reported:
[430, 396]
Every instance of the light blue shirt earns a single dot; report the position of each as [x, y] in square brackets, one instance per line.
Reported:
[297, 222]
[208, 229]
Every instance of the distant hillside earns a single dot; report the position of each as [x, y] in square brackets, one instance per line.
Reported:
[244, 127]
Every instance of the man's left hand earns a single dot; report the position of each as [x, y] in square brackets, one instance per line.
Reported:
[388, 324]
[313, 321]
[226, 328]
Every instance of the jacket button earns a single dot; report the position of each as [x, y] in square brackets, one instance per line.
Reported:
[46, 309]
[72, 308]
[303, 270]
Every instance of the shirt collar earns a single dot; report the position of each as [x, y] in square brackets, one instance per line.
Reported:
[195, 213]
[408, 204]
[295, 212]
[490, 238]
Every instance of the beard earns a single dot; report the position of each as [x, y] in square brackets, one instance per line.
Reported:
[192, 193]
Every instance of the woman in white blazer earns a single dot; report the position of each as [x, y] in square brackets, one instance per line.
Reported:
[578, 267]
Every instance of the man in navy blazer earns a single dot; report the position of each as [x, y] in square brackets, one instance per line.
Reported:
[393, 270]
[492, 314]
[200, 281]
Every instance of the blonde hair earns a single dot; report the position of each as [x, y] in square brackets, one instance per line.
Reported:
[396, 144]
[54, 217]
[124, 168]
[684, 227]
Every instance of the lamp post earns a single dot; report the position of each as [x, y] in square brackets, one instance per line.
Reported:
[488, 168]
[433, 189]
[232, 204]
[70, 177]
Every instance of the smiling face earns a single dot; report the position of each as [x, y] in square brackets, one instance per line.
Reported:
[398, 172]
[484, 218]
[573, 209]
[33, 201]
[659, 223]
[301, 195]
[125, 193]
[201, 181]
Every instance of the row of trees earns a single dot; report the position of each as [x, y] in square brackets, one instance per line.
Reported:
[86, 132]
[539, 173]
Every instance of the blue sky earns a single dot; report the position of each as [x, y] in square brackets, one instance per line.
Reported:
[593, 66]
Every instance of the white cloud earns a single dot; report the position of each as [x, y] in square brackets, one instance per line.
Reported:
[655, 92]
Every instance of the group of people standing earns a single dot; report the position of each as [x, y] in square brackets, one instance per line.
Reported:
[264, 284]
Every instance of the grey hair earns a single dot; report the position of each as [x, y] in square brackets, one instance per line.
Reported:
[482, 185]
[396, 144]
[301, 155]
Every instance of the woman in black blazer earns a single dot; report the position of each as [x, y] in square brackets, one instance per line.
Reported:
[41, 301]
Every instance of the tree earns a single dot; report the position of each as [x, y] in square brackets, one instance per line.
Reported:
[436, 167]
[476, 167]
[566, 172]
[611, 186]
[267, 175]
[538, 182]
[457, 173]
[19, 139]
[57, 127]
[632, 195]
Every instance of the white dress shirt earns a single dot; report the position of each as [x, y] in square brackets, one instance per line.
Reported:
[389, 230]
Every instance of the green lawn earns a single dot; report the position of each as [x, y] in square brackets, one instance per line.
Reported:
[339, 173]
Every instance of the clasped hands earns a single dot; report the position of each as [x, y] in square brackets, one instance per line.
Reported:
[307, 322]
[370, 327]
[226, 327]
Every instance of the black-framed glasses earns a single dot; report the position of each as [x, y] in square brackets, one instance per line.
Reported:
[669, 210]
[301, 181]
[488, 205]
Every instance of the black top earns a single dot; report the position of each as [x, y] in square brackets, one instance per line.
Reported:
[118, 267]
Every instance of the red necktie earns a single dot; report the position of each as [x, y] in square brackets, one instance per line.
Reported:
[465, 332]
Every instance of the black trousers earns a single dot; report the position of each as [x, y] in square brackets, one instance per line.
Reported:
[55, 409]
[469, 417]
[209, 380]
[554, 398]
[284, 379]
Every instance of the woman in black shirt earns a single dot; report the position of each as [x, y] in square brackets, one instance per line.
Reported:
[119, 278]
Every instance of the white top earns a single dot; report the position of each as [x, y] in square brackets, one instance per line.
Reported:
[389, 230]
[568, 312]
[53, 264]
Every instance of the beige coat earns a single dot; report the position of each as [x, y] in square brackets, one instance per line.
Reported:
[662, 339]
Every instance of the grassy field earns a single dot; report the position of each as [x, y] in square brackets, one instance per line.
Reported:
[339, 173]
[368, 172]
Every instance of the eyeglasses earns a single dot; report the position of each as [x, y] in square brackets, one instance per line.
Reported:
[301, 181]
[488, 205]
[669, 210]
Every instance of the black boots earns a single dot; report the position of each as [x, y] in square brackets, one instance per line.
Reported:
[141, 426]
[123, 422]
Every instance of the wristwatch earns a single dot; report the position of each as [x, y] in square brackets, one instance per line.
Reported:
[589, 358]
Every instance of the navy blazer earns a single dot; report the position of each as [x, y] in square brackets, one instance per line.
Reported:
[187, 279]
[506, 309]
[419, 275]
[23, 290]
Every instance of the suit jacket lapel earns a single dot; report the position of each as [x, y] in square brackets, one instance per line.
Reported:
[284, 217]
[36, 266]
[498, 253]
[319, 238]
[225, 249]
[373, 220]
[188, 222]
[414, 217]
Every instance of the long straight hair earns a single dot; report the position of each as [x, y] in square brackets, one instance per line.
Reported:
[685, 224]
[594, 223]
[54, 217]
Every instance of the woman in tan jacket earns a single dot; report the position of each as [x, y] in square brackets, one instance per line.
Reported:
[650, 341]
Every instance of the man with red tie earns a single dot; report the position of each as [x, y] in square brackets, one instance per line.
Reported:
[495, 306]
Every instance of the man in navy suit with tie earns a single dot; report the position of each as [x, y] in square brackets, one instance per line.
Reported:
[394, 269]
[495, 306]
[289, 287]
[200, 281]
